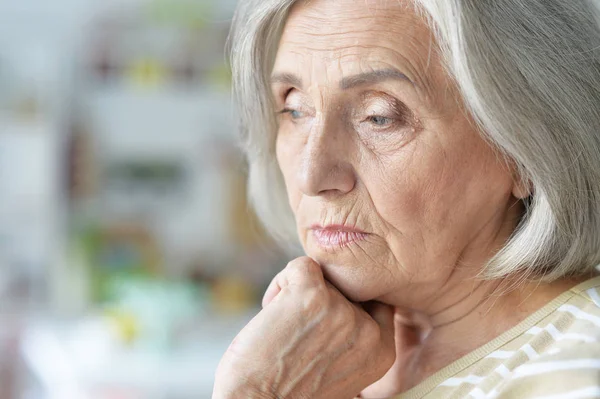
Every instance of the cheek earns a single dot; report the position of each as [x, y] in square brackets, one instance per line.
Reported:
[399, 193]
[438, 193]
[287, 157]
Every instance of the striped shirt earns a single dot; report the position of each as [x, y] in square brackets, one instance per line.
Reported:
[552, 354]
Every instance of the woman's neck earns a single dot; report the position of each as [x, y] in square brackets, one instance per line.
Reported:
[488, 310]
[426, 343]
[440, 321]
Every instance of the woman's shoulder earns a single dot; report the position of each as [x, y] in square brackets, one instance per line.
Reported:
[554, 351]
[573, 372]
[568, 362]
[581, 312]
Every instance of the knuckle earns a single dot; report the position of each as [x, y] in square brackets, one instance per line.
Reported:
[384, 361]
[382, 356]
[303, 264]
[380, 362]
[304, 271]
[343, 320]
[315, 299]
[388, 358]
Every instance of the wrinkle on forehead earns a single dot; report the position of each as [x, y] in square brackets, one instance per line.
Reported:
[327, 22]
[371, 33]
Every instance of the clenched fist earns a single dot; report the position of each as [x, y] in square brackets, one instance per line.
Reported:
[308, 341]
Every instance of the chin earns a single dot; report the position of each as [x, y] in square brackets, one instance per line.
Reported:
[360, 270]
[354, 279]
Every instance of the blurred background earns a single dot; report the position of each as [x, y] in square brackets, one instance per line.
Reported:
[129, 258]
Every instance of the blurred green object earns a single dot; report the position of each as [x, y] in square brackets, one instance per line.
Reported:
[149, 313]
[118, 252]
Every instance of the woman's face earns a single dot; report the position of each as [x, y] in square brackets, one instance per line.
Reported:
[394, 192]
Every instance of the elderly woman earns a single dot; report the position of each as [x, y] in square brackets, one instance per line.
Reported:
[438, 162]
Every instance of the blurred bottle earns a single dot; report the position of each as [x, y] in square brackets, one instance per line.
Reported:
[81, 176]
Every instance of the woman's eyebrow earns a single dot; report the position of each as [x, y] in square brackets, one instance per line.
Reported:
[373, 77]
[287, 79]
[349, 82]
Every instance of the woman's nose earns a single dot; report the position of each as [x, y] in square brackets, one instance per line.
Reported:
[326, 167]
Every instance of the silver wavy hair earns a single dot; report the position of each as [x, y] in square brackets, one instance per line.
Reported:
[528, 72]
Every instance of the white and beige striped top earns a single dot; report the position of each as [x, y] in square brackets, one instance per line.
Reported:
[553, 354]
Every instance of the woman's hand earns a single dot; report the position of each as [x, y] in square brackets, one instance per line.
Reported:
[309, 341]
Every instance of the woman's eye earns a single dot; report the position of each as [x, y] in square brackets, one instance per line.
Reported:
[294, 114]
[380, 121]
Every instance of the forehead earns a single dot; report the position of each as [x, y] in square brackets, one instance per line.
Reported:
[325, 38]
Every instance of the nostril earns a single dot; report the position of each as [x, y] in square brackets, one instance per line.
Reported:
[326, 181]
[326, 167]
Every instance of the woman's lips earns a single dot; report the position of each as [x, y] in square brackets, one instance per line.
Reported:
[336, 236]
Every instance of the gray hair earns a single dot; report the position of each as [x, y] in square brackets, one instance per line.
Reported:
[528, 72]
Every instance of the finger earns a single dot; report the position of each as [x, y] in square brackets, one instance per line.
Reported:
[334, 289]
[272, 291]
[238, 344]
[384, 316]
[301, 272]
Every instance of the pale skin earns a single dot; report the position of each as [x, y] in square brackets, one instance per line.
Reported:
[372, 135]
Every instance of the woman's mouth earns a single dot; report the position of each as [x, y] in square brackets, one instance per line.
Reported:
[336, 236]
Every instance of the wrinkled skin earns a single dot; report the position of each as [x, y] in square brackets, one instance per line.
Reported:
[398, 159]
[393, 154]
[308, 342]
